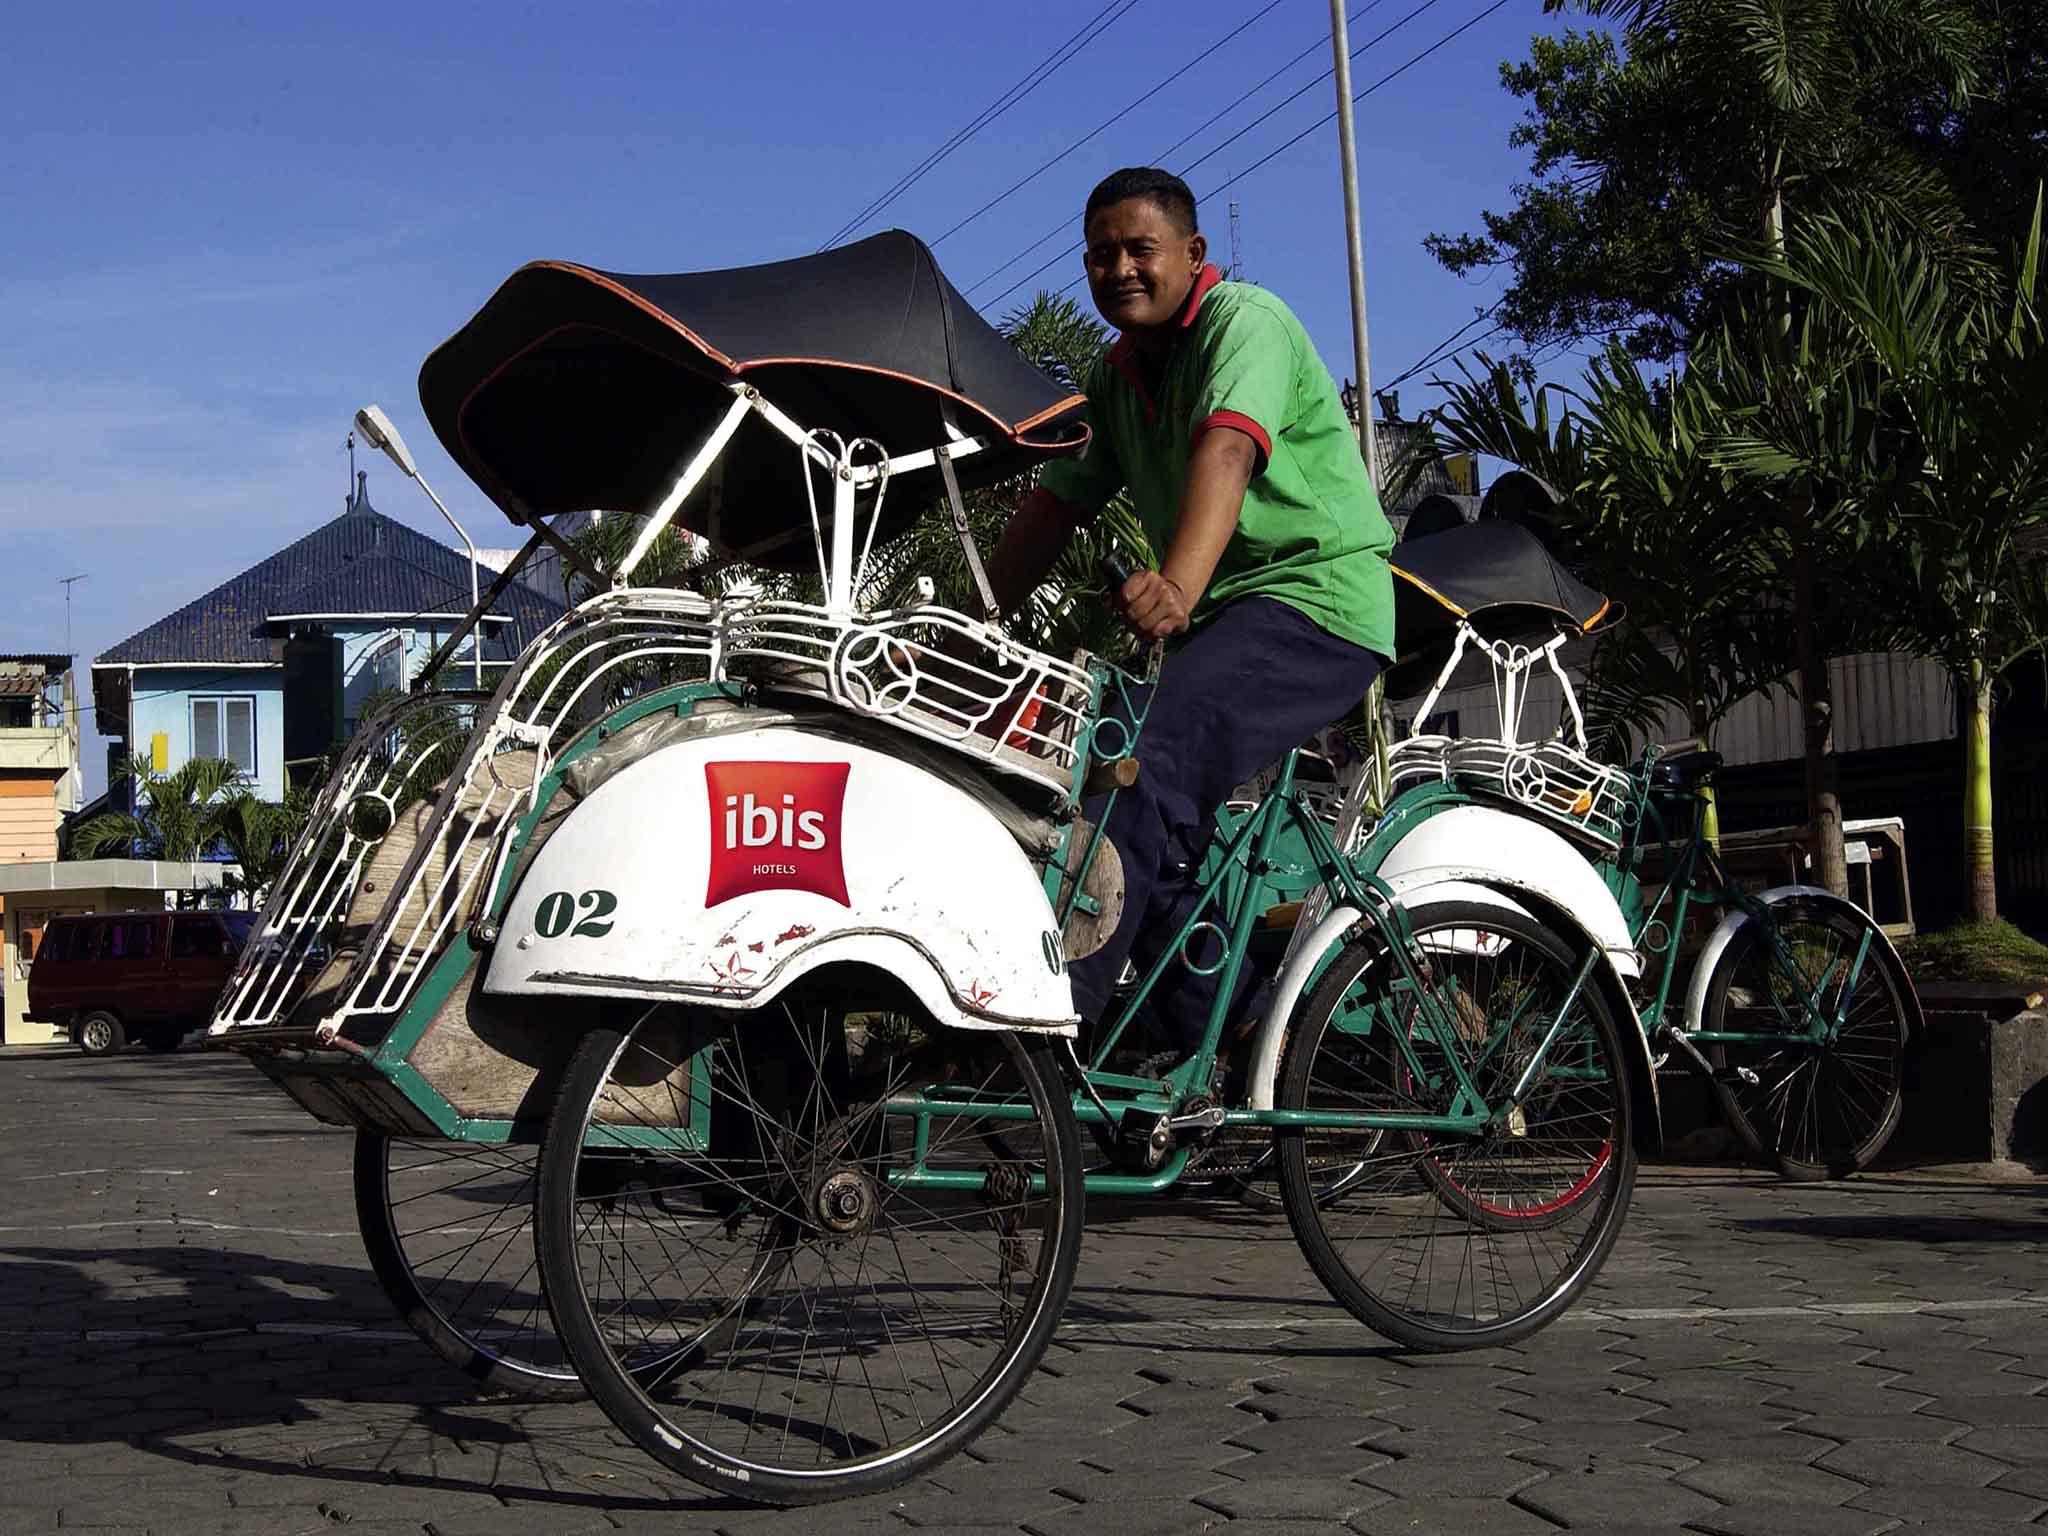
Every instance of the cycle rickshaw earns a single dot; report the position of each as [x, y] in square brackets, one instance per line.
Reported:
[701, 989]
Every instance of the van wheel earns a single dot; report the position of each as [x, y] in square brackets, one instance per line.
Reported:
[101, 1034]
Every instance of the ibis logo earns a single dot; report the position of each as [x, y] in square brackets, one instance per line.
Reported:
[775, 827]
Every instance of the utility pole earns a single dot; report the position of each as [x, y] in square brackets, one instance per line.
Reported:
[1236, 260]
[1347, 145]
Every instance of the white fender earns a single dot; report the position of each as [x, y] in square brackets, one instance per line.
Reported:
[1478, 845]
[1484, 856]
[1724, 935]
[722, 869]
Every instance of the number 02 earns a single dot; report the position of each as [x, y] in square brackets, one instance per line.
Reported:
[557, 913]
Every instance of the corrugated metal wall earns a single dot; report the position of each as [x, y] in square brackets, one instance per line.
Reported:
[1881, 700]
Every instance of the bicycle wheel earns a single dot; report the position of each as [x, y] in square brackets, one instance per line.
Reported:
[1424, 1246]
[448, 1228]
[1820, 1109]
[748, 1288]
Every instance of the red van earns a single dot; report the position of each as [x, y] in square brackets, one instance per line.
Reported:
[115, 977]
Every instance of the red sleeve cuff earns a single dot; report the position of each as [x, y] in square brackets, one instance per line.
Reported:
[1071, 512]
[1242, 423]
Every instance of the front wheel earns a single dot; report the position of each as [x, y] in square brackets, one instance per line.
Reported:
[1816, 1094]
[796, 1263]
[1458, 1240]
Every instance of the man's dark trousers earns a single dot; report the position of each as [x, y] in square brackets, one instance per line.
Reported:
[1253, 682]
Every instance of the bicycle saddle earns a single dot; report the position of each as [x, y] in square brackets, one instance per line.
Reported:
[1684, 772]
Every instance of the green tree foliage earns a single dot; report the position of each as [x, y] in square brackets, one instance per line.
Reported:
[1945, 392]
[204, 807]
[1658, 156]
[175, 815]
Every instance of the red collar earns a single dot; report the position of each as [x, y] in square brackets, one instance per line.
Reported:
[1121, 355]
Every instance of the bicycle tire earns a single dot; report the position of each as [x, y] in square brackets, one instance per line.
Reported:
[672, 1413]
[1850, 1100]
[478, 1316]
[1402, 1200]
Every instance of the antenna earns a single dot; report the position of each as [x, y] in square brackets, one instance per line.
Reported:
[350, 498]
[1236, 261]
[67, 581]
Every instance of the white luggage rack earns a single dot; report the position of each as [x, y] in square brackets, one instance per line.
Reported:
[408, 837]
[1556, 777]
[1019, 710]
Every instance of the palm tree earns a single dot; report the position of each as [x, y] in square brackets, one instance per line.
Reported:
[1951, 388]
[1787, 77]
[174, 816]
[258, 835]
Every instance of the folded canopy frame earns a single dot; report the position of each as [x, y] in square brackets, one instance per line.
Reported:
[571, 387]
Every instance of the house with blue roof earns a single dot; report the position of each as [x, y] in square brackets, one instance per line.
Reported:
[271, 669]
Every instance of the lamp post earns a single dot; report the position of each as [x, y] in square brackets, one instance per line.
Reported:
[377, 431]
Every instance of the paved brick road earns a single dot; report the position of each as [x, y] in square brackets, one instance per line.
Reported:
[191, 1343]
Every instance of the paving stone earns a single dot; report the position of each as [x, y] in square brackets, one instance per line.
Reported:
[1446, 1517]
[1574, 1499]
[1465, 1477]
[1781, 1519]
[1734, 1482]
[1130, 1517]
[1294, 1498]
[1949, 1507]
[1900, 1463]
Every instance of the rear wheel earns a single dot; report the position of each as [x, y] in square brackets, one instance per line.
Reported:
[101, 1034]
[1451, 1240]
[1815, 1109]
[164, 1038]
[449, 1231]
[762, 1302]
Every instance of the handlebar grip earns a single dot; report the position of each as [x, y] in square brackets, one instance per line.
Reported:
[1114, 570]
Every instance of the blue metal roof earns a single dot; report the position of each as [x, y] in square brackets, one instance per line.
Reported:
[360, 563]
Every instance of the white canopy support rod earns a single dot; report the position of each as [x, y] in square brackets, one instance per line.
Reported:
[744, 400]
[959, 449]
[839, 583]
[1571, 699]
[1429, 699]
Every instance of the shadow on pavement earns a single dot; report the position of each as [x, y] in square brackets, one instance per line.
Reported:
[1885, 1227]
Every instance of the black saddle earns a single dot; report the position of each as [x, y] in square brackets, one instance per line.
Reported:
[1685, 772]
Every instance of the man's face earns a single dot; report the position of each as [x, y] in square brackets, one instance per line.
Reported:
[1140, 266]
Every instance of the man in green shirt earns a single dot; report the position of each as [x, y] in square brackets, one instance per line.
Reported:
[1216, 414]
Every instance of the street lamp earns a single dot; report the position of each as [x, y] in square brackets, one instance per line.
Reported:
[376, 430]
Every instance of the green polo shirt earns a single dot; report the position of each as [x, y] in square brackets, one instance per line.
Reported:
[1311, 533]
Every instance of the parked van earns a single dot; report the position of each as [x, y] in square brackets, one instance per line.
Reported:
[113, 977]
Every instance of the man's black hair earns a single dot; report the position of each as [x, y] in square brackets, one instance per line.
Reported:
[1167, 192]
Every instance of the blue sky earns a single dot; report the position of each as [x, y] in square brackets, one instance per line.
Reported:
[223, 228]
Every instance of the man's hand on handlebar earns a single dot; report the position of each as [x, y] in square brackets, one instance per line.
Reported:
[1152, 604]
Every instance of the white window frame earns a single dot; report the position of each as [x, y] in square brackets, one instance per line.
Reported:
[220, 702]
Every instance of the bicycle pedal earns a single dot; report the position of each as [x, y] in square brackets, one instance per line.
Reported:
[1143, 1139]
[1743, 1075]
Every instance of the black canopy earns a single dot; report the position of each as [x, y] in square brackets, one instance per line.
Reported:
[575, 389]
[1495, 575]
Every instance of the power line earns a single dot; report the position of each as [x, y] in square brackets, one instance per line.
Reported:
[1445, 348]
[1323, 121]
[1110, 122]
[1163, 155]
[1103, 19]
